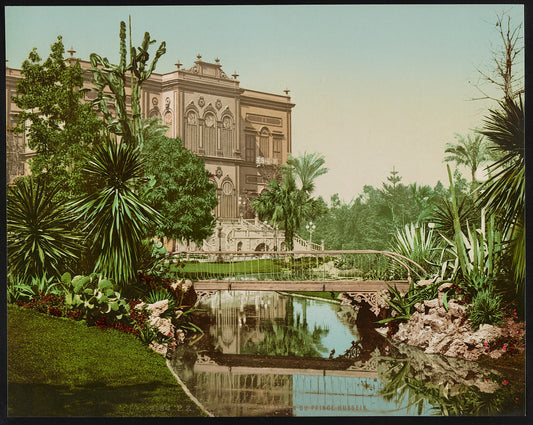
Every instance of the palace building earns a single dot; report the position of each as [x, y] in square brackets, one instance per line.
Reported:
[239, 131]
[243, 134]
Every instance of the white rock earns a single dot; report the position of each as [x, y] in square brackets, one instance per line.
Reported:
[158, 308]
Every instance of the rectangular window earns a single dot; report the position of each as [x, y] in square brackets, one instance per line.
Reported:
[250, 148]
[277, 149]
[210, 140]
[191, 137]
[226, 136]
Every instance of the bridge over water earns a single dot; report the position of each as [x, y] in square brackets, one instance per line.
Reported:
[306, 271]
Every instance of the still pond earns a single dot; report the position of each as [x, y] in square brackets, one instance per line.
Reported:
[269, 354]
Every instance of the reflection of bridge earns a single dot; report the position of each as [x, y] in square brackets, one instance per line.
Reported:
[284, 390]
[277, 365]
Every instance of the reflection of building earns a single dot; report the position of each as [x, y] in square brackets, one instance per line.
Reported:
[238, 321]
[239, 131]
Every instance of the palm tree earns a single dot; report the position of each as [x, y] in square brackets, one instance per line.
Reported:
[471, 151]
[503, 195]
[284, 203]
[287, 202]
[307, 168]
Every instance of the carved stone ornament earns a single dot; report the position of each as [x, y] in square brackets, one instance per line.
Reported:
[155, 101]
[191, 118]
[167, 103]
[226, 123]
[218, 104]
[218, 172]
[201, 102]
[209, 121]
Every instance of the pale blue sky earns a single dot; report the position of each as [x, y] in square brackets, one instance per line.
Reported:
[375, 86]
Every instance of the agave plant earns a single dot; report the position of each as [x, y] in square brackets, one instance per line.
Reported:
[483, 249]
[116, 219]
[418, 244]
[39, 235]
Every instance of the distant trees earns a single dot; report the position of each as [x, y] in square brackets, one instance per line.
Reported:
[371, 219]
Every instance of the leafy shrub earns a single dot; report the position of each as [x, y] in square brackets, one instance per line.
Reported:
[153, 259]
[94, 296]
[486, 308]
[20, 291]
[39, 238]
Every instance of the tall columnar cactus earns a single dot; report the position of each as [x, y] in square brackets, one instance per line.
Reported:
[113, 77]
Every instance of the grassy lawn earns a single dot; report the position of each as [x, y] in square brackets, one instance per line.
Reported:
[229, 269]
[60, 367]
[324, 295]
[276, 269]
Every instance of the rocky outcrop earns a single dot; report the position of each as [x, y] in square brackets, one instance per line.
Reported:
[184, 291]
[437, 330]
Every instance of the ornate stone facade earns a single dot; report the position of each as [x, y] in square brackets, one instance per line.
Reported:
[237, 130]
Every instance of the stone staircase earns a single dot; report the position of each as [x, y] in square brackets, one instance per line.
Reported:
[238, 234]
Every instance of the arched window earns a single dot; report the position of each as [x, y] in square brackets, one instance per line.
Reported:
[210, 134]
[191, 132]
[227, 206]
[264, 143]
[226, 136]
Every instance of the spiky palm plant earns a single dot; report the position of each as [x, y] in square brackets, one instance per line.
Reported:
[39, 236]
[503, 195]
[418, 244]
[116, 220]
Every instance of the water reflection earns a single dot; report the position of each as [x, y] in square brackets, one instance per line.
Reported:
[251, 322]
[265, 354]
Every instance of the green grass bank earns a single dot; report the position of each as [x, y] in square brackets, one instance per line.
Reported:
[61, 367]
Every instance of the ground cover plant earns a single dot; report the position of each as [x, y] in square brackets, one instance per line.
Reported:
[61, 367]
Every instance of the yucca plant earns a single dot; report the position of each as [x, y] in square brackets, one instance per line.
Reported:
[116, 220]
[39, 236]
[442, 215]
[418, 244]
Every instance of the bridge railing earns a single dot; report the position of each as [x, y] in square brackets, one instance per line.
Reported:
[296, 265]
